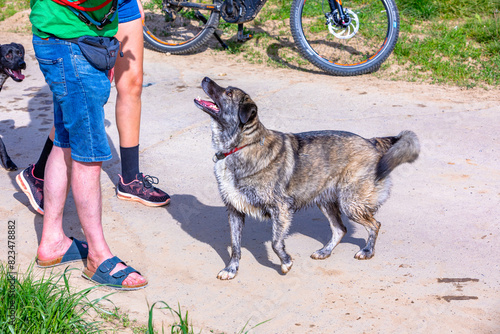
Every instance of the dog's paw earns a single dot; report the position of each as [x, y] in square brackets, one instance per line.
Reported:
[320, 254]
[10, 166]
[226, 274]
[285, 267]
[364, 254]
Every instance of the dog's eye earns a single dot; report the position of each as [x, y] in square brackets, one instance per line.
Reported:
[8, 55]
[229, 93]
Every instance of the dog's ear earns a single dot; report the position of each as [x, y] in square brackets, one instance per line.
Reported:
[248, 109]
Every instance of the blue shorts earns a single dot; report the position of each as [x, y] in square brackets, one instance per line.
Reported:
[128, 10]
[80, 92]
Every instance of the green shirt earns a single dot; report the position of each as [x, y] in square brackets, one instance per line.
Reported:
[50, 18]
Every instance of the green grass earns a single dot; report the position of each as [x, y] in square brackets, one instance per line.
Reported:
[452, 42]
[9, 8]
[48, 304]
[182, 325]
[44, 305]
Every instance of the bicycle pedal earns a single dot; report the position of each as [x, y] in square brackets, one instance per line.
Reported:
[244, 37]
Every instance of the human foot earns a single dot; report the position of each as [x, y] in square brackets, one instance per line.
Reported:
[67, 251]
[32, 187]
[116, 274]
[142, 190]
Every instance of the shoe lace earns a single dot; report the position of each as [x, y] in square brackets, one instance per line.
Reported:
[149, 181]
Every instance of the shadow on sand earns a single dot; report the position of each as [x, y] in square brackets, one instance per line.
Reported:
[209, 224]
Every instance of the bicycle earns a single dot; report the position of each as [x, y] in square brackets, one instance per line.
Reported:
[344, 38]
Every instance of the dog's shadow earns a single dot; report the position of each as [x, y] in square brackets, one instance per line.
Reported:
[209, 224]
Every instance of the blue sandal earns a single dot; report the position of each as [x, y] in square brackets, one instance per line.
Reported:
[102, 276]
[78, 250]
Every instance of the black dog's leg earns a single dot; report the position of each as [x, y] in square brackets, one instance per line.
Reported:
[236, 222]
[6, 161]
[332, 212]
[3, 78]
[281, 223]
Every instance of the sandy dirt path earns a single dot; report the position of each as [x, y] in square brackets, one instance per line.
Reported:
[436, 268]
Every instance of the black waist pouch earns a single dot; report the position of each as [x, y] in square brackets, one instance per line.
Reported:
[101, 52]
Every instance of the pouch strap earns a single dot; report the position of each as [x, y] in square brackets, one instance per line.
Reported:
[80, 12]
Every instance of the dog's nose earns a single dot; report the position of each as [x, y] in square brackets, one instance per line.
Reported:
[21, 64]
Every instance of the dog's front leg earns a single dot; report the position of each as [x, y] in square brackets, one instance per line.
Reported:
[3, 78]
[4, 157]
[281, 223]
[236, 222]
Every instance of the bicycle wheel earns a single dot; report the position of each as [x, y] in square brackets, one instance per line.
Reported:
[176, 29]
[357, 48]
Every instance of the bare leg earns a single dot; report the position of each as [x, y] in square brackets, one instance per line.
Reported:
[86, 186]
[331, 211]
[128, 80]
[54, 242]
[85, 181]
[52, 133]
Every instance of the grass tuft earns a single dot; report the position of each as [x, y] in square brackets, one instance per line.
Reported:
[180, 327]
[9, 8]
[44, 305]
[181, 324]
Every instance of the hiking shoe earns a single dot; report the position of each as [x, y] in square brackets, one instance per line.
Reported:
[142, 190]
[32, 187]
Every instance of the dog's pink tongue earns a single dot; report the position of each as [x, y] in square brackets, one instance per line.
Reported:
[18, 75]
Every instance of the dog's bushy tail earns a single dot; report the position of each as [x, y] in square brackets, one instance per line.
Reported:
[403, 148]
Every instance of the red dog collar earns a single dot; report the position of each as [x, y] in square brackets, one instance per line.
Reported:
[222, 155]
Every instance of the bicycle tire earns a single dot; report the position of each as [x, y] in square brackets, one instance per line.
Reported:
[178, 30]
[364, 52]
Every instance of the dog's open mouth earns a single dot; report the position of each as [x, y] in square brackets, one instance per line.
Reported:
[206, 106]
[15, 75]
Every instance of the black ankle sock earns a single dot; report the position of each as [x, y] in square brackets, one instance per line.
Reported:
[130, 163]
[39, 171]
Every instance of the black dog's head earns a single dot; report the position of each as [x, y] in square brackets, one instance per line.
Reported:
[11, 62]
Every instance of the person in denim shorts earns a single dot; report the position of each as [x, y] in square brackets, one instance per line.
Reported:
[128, 76]
[80, 92]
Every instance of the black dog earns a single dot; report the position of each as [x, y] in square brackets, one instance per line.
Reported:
[11, 62]
[11, 65]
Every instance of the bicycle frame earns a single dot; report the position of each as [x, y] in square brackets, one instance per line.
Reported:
[344, 18]
[188, 4]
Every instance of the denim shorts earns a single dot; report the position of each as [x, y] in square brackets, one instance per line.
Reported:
[80, 92]
[128, 10]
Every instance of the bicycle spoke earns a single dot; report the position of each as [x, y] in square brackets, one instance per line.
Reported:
[333, 46]
[177, 29]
